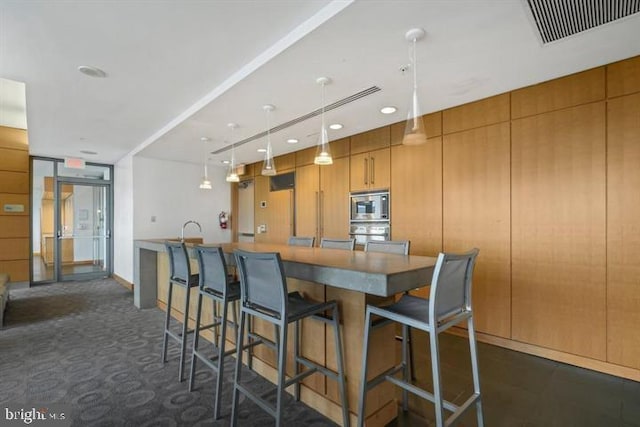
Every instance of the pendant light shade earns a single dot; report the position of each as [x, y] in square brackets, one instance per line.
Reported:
[269, 166]
[414, 131]
[323, 150]
[205, 184]
[232, 176]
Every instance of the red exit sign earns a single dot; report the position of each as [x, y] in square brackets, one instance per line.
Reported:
[72, 163]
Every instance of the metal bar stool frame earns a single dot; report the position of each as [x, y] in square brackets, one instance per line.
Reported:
[179, 275]
[400, 247]
[264, 295]
[216, 284]
[449, 303]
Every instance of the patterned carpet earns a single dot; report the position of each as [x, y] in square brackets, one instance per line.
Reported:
[84, 345]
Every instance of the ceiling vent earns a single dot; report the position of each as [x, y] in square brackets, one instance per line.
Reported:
[557, 19]
[339, 103]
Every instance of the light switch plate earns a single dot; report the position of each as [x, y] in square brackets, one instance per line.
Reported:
[263, 203]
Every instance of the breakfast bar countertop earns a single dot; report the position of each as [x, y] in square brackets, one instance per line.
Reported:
[368, 272]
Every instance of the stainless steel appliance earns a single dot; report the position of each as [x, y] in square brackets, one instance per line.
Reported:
[370, 218]
[372, 206]
[366, 231]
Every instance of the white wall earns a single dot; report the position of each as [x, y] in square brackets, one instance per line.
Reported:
[167, 190]
[123, 218]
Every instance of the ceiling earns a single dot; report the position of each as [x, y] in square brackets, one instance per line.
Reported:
[181, 70]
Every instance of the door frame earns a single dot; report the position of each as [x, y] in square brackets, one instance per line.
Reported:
[59, 182]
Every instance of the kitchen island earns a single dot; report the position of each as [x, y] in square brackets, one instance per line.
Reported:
[354, 279]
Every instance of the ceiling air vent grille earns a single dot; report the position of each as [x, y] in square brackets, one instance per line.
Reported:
[314, 113]
[557, 19]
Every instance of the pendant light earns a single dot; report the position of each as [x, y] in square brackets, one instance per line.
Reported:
[323, 151]
[232, 176]
[414, 131]
[268, 167]
[205, 184]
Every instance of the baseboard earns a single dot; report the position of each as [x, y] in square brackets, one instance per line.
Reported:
[558, 356]
[123, 282]
[19, 285]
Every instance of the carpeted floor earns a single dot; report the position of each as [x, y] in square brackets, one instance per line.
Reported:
[84, 344]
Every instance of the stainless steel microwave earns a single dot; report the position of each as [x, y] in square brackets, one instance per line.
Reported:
[370, 206]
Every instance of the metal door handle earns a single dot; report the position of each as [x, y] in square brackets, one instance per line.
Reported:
[317, 214]
[321, 217]
[373, 169]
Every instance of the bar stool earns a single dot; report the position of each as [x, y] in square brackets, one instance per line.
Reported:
[264, 295]
[347, 244]
[179, 275]
[216, 284]
[307, 242]
[449, 303]
[400, 247]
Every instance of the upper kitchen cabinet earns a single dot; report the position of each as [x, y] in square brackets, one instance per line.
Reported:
[371, 170]
[371, 160]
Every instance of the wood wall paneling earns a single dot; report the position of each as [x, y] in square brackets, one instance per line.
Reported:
[13, 138]
[339, 148]
[12, 226]
[14, 182]
[261, 191]
[576, 89]
[14, 199]
[432, 124]
[14, 160]
[371, 140]
[623, 231]
[14, 249]
[623, 77]
[476, 213]
[18, 270]
[476, 114]
[558, 230]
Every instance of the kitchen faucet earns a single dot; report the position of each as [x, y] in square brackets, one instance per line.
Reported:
[185, 225]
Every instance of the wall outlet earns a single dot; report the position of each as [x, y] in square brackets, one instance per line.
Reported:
[263, 204]
[262, 228]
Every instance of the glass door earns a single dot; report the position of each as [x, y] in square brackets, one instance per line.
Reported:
[83, 230]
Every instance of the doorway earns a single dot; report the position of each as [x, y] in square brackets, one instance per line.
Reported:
[71, 221]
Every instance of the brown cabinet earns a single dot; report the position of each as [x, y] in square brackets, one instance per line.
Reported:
[322, 200]
[371, 170]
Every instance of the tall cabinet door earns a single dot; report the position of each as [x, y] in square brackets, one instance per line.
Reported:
[380, 169]
[334, 199]
[360, 172]
[308, 201]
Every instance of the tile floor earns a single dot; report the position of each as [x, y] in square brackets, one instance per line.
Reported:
[520, 390]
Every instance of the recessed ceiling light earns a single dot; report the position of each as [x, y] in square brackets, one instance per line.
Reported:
[90, 71]
[388, 110]
[226, 162]
[335, 126]
[292, 141]
[92, 153]
[262, 150]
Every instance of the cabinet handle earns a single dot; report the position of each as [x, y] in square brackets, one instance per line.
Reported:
[321, 213]
[373, 170]
[317, 214]
[366, 171]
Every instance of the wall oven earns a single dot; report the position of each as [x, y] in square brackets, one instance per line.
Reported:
[370, 206]
[370, 219]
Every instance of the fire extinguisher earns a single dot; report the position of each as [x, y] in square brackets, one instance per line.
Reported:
[223, 219]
